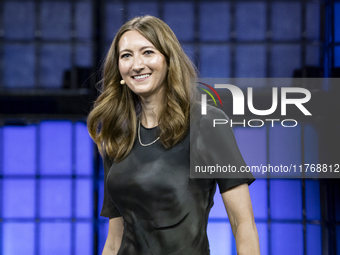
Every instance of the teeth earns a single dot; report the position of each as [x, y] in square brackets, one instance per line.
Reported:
[141, 76]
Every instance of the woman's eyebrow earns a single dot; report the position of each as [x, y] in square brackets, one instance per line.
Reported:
[125, 50]
[141, 49]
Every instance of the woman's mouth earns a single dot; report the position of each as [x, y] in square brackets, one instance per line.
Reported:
[141, 77]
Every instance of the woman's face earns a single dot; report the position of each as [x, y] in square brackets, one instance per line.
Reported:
[141, 65]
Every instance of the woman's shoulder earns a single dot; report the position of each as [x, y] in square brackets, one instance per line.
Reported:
[207, 113]
[214, 112]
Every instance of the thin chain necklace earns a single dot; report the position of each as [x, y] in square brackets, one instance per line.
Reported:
[140, 141]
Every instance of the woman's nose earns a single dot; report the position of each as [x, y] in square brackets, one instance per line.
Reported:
[138, 63]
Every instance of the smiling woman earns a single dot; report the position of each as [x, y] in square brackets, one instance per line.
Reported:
[142, 67]
[140, 123]
[118, 103]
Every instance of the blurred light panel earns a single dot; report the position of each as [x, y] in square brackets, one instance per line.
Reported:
[215, 61]
[55, 59]
[19, 20]
[313, 207]
[220, 238]
[19, 153]
[180, 18]
[252, 144]
[55, 238]
[84, 150]
[55, 20]
[18, 198]
[102, 235]
[286, 238]
[314, 239]
[84, 54]
[283, 53]
[56, 147]
[113, 18]
[311, 140]
[214, 21]
[312, 55]
[286, 21]
[83, 20]
[84, 239]
[251, 21]
[313, 21]
[55, 198]
[337, 22]
[20, 65]
[18, 238]
[286, 199]
[137, 9]
[258, 194]
[84, 198]
[190, 52]
[284, 146]
[218, 210]
[262, 229]
[251, 61]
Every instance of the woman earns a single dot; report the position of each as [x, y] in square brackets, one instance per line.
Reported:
[140, 124]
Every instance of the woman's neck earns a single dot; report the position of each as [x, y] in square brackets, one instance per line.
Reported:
[151, 108]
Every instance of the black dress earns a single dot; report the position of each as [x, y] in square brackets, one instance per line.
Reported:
[165, 211]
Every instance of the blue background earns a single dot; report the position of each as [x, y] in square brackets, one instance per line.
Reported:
[50, 192]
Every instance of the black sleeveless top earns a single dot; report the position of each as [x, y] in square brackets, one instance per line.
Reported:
[164, 210]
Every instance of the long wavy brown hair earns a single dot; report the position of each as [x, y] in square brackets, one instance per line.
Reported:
[112, 123]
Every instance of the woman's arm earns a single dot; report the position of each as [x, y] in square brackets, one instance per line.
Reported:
[114, 237]
[240, 212]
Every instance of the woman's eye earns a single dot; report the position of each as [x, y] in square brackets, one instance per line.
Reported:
[125, 55]
[147, 52]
